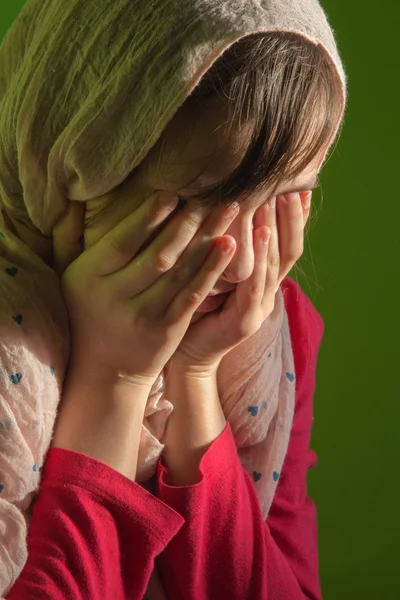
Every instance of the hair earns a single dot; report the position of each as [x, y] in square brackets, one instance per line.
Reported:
[290, 90]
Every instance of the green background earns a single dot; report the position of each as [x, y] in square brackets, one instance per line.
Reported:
[350, 262]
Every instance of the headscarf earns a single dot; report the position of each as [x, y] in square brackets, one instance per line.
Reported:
[87, 88]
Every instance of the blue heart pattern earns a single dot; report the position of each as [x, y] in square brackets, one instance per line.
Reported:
[257, 476]
[254, 412]
[6, 425]
[16, 378]
[34, 468]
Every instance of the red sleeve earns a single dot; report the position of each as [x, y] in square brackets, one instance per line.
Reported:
[225, 549]
[94, 533]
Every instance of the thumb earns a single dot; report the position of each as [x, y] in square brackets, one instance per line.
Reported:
[67, 236]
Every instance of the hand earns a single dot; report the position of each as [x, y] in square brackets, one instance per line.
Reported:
[130, 298]
[208, 340]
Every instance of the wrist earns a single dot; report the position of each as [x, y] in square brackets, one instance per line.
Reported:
[181, 368]
[98, 376]
[103, 419]
[196, 421]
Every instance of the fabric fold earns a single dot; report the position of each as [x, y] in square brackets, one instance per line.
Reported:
[86, 90]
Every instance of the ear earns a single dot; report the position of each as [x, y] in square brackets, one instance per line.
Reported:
[67, 236]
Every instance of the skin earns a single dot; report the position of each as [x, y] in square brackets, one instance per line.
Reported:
[184, 163]
[197, 419]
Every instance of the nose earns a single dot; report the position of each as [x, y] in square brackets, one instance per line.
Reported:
[242, 264]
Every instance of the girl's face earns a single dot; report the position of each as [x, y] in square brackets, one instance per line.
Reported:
[187, 148]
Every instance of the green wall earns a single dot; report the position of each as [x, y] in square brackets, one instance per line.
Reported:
[355, 249]
[351, 260]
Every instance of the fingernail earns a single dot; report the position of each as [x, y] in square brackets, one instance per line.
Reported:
[168, 200]
[272, 202]
[230, 211]
[265, 236]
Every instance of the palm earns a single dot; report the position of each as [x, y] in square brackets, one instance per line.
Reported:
[208, 340]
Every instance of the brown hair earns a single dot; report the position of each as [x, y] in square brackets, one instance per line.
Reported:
[290, 90]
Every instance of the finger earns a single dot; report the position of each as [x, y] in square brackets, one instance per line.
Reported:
[195, 292]
[175, 255]
[67, 236]
[191, 258]
[250, 294]
[219, 221]
[274, 259]
[291, 232]
[120, 245]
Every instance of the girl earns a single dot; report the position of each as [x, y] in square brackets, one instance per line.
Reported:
[184, 355]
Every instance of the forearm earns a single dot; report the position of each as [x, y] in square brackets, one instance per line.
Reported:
[102, 420]
[196, 421]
